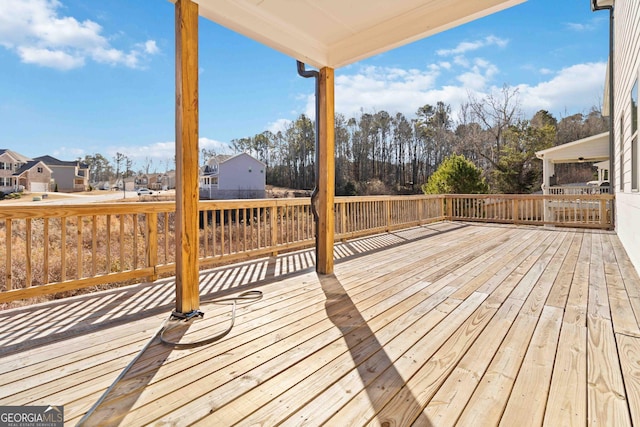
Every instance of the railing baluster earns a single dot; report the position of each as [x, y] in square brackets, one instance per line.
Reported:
[63, 249]
[236, 230]
[8, 239]
[29, 269]
[45, 255]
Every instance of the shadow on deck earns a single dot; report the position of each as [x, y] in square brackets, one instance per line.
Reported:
[436, 325]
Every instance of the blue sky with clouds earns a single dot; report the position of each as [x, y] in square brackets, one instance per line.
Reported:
[81, 77]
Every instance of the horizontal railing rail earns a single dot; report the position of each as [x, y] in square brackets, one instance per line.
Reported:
[578, 189]
[62, 248]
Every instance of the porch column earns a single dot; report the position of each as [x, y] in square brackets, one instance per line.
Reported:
[326, 172]
[548, 169]
[187, 291]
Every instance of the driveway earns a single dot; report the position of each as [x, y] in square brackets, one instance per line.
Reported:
[75, 198]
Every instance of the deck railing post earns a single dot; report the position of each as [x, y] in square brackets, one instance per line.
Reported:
[187, 194]
[326, 170]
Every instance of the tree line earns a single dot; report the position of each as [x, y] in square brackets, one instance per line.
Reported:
[381, 153]
[377, 152]
[103, 169]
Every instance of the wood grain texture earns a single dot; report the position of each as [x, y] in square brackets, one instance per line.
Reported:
[445, 324]
[187, 166]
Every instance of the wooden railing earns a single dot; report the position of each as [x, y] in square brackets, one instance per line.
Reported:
[578, 189]
[592, 211]
[62, 248]
[67, 247]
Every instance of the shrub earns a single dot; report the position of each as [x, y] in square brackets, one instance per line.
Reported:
[456, 175]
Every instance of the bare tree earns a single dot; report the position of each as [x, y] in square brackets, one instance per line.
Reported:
[496, 112]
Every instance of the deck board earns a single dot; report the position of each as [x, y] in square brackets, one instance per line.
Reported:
[444, 324]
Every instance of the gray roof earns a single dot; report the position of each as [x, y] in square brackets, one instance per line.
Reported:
[27, 166]
[52, 161]
[19, 157]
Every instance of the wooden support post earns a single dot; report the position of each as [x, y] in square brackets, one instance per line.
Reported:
[187, 289]
[326, 178]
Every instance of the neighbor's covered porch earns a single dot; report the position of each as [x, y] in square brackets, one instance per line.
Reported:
[434, 325]
[593, 149]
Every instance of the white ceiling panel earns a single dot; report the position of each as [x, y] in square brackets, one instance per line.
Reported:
[336, 33]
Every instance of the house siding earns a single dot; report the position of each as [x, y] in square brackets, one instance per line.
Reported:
[7, 173]
[64, 177]
[626, 71]
[239, 177]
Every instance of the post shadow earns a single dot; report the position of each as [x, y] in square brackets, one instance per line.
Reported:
[345, 315]
[124, 392]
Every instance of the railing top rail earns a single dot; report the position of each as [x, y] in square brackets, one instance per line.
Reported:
[532, 196]
[51, 211]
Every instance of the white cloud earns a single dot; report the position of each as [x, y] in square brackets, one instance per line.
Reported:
[151, 47]
[35, 31]
[573, 88]
[391, 89]
[279, 125]
[584, 26]
[464, 47]
[158, 152]
[49, 58]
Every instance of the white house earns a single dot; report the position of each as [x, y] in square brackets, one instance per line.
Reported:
[67, 176]
[626, 158]
[240, 176]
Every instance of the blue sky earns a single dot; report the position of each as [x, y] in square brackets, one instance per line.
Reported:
[82, 77]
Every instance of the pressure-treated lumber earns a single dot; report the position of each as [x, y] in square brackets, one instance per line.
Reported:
[187, 169]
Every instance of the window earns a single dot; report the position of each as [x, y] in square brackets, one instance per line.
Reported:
[40, 169]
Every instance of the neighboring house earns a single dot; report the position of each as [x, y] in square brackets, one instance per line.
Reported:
[233, 177]
[162, 181]
[593, 149]
[18, 172]
[129, 184]
[141, 181]
[10, 162]
[68, 176]
[34, 176]
[156, 181]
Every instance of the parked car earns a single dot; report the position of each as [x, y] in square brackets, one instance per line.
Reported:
[144, 192]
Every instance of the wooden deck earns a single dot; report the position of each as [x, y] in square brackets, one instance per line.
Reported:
[445, 324]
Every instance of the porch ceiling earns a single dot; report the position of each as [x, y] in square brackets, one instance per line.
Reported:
[335, 33]
[592, 149]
